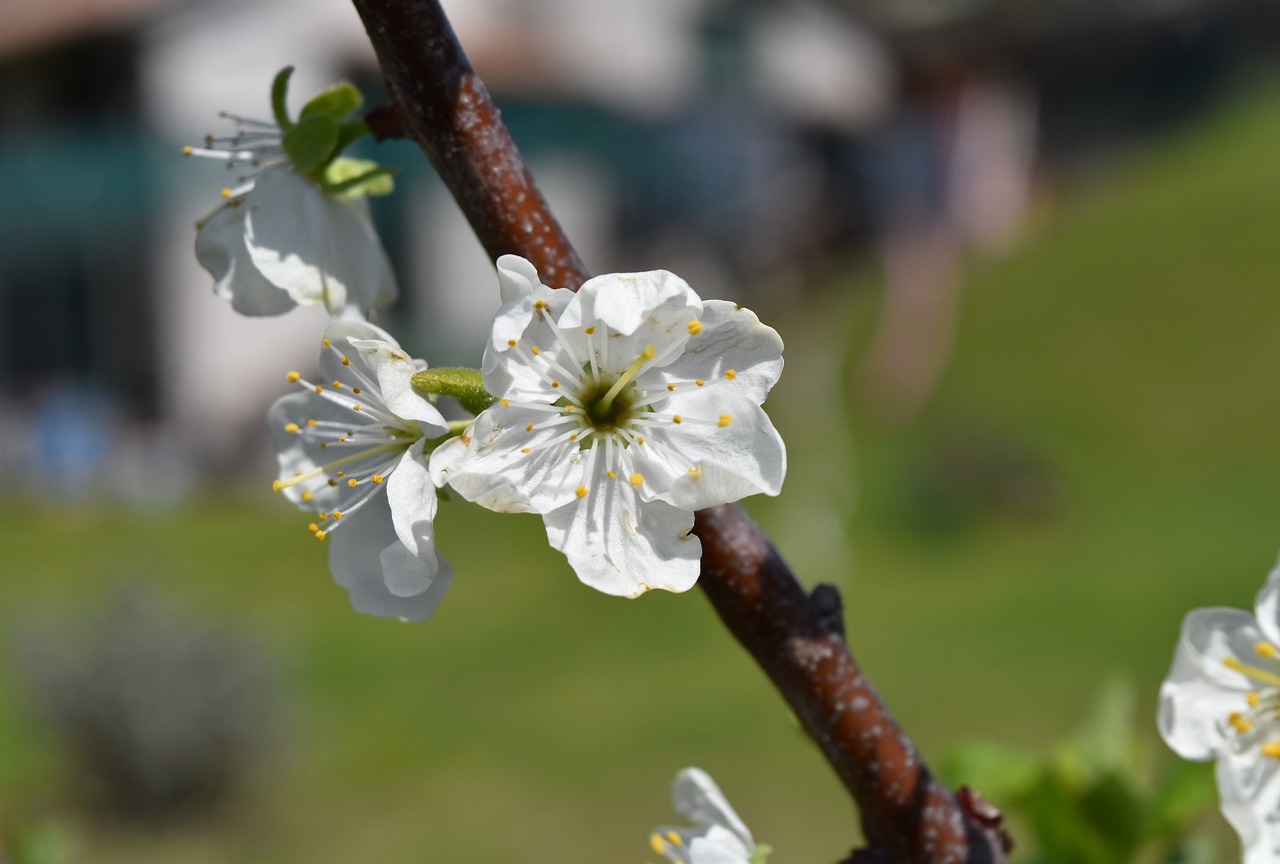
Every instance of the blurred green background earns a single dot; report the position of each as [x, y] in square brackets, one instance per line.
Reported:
[1118, 371]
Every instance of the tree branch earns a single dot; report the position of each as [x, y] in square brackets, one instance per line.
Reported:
[797, 639]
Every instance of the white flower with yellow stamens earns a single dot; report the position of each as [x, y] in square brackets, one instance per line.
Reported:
[351, 451]
[621, 410]
[718, 836]
[1221, 700]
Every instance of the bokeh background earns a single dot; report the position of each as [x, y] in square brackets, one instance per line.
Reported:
[1025, 258]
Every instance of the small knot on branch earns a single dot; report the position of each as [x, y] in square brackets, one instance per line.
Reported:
[985, 815]
[384, 122]
[828, 609]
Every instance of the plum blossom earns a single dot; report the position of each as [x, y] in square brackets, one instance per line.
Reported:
[620, 410]
[718, 836]
[1221, 700]
[343, 443]
[281, 240]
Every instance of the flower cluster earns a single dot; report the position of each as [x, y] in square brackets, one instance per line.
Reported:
[614, 412]
[1221, 700]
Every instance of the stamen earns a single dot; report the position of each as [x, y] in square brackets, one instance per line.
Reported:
[1251, 672]
[277, 485]
[645, 356]
[695, 327]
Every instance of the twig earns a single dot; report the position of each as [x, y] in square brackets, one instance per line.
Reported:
[907, 816]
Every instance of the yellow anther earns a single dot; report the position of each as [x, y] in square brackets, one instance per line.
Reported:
[511, 343]
[276, 485]
[695, 472]
[534, 351]
[322, 516]
[355, 390]
[342, 439]
[699, 381]
[674, 839]
[589, 330]
[337, 514]
[325, 343]
[346, 361]
[677, 419]
[376, 478]
[639, 440]
[568, 409]
[333, 482]
[324, 445]
[312, 422]
[695, 327]
[1237, 722]
[293, 377]
[540, 305]
[724, 420]
[581, 492]
[188, 150]
[730, 374]
[337, 385]
[611, 475]
[306, 495]
[656, 844]
[636, 479]
[342, 474]
[1271, 749]
[648, 353]
[226, 192]
[555, 383]
[504, 403]
[573, 437]
[319, 389]
[671, 388]
[352, 482]
[291, 428]
[1266, 649]
[524, 449]
[1252, 698]
[319, 535]
[313, 527]
[528, 427]
[355, 407]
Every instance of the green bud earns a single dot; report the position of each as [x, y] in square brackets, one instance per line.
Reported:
[465, 385]
[311, 142]
[761, 853]
[336, 102]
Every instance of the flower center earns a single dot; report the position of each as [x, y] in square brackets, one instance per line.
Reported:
[1257, 724]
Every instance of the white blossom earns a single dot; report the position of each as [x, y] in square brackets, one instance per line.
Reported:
[344, 442]
[718, 836]
[280, 240]
[1221, 700]
[622, 409]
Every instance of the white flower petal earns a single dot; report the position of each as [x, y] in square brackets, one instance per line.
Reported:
[731, 338]
[366, 555]
[1249, 796]
[697, 798]
[1267, 607]
[221, 249]
[315, 247]
[394, 370]
[491, 491]
[1199, 691]
[623, 546]
[412, 498]
[697, 465]
[718, 846]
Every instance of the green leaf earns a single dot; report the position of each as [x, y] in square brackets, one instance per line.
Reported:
[279, 90]
[465, 385]
[1113, 808]
[310, 143]
[355, 177]
[336, 102]
[998, 772]
[760, 855]
[1187, 791]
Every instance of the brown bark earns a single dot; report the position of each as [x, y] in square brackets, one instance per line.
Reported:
[796, 638]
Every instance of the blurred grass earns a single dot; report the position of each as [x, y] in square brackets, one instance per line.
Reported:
[1129, 346]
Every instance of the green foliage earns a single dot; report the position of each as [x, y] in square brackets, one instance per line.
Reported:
[345, 176]
[335, 103]
[1091, 800]
[325, 127]
[310, 143]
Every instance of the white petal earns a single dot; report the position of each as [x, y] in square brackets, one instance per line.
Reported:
[412, 498]
[366, 555]
[697, 797]
[492, 491]
[314, 247]
[636, 310]
[623, 546]
[1267, 607]
[731, 338]
[506, 372]
[1199, 691]
[1249, 796]
[697, 465]
[221, 249]
[718, 846]
[394, 370]
[491, 461]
